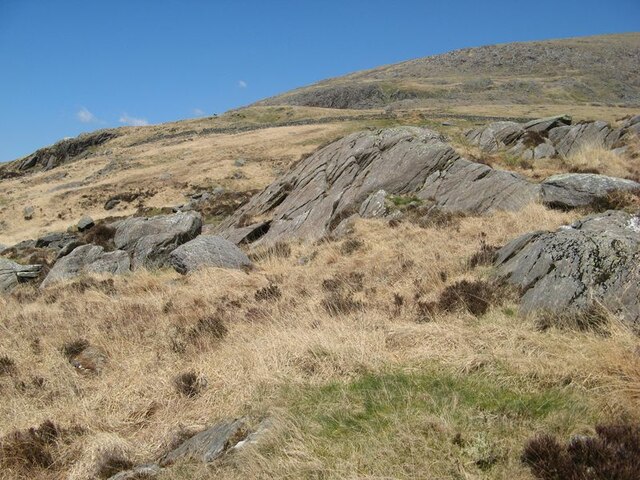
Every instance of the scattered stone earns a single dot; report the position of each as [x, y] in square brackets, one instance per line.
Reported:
[573, 190]
[90, 360]
[241, 162]
[85, 223]
[88, 259]
[111, 203]
[208, 445]
[28, 212]
[150, 240]
[12, 273]
[596, 259]
[207, 251]
[149, 470]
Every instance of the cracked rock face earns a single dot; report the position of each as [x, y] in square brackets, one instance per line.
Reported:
[88, 259]
[595, 259]
[332, 185]
[546, 137]
[150, 240]
[573, 190]
[12, 273]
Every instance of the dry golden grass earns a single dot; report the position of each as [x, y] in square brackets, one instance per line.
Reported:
[595, 158]
[288, 358]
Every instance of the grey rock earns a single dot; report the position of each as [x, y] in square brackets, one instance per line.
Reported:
[541, 125]
[28, 212]
[111, 203]
[56, 241]
[332, 183]
[149, 470]
[2, 247]
[150, 240]
[65, 150]
[573, 190]
[495, 136]
[207, 251]
[88, 259]
[246, 234]
[568, 140]
[375, 206]
[208, 445]
[631, 126]
[596, 259]
[12, 273]
[544, 150]
[241, 162]
[465, 186]
[85, 223]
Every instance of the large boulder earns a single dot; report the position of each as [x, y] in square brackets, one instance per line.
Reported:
[465, 186]
[596, 259]
[573, 190]
[207, 251]
[150, 240]
[333, 184]
[12, 273]
[570, 139]
[88, 259]
[495, 136]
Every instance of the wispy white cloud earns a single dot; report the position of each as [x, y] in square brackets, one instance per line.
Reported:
[133, 121]
[85, 116]
[242, 84]
[197, 112]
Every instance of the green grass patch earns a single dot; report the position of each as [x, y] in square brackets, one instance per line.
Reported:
[430, 423]
[402, 201]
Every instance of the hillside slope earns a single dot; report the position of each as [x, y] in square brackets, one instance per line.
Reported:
[601, 69]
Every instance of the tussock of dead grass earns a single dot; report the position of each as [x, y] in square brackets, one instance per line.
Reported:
[595, 158]
[273, 354]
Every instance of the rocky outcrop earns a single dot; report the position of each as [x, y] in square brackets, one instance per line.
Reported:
[150, 240]
[88, 259]
[470, 187]
[336, 182]
[547, 137]
[495, 136]
[346, 95]
[568, 140]
[573, 190]
[64, 151]
[596, 259]
[207, 251]
[12, 273]
[56, 241]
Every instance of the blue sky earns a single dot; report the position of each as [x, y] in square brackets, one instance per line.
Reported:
[72, 66]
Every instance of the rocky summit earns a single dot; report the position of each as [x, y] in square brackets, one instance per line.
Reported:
[425, 270]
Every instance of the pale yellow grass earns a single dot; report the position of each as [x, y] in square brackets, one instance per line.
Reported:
[595, 158]
[132, 408]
